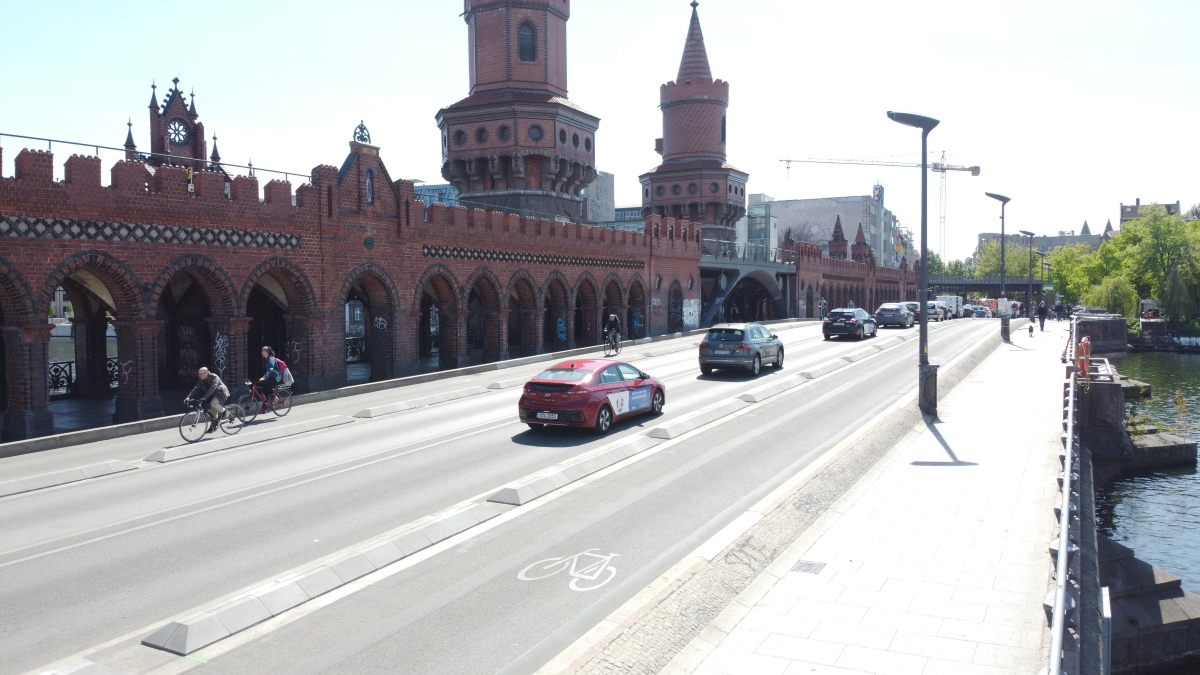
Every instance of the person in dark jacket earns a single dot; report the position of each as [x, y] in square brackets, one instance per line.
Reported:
[612, 327]
[272, 377]
[211, 390]
[1041, 315]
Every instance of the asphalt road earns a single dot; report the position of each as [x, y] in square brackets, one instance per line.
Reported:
[83, 564]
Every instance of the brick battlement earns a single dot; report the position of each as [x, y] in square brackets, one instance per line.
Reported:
[695, 88]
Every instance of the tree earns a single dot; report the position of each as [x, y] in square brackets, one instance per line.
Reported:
[1193, 213]
[1115, 294]
[1176, 300]
[1069, 272]
[1016, 260]
[1153, 245]
[956, 268]
[935, 263]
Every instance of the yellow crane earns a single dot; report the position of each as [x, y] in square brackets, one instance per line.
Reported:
[941, 167]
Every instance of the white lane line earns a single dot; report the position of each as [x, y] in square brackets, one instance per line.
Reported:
[726, 535]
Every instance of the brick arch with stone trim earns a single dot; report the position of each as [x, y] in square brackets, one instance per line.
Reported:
[444, 287]
[300, 349]
[523, 301]
[637, 322]
[587, 310]
[189, 341]
[558, 299]
[614, 296]
[24, 399]
[492, 314]
[381, 297]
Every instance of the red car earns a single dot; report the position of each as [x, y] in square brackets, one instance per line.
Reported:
[589, 393]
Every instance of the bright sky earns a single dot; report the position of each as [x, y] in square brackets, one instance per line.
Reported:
[1070, 107]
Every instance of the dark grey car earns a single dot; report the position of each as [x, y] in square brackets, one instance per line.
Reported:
[894, 314]
[740, 345]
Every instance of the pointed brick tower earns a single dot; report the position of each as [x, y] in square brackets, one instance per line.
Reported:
[837, 244]
[861, 250]
[694, 181]
[516, 141]
[1086, 230]
[175, 130]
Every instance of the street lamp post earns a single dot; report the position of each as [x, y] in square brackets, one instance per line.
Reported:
[1004, 313]
[1041, 254]
[926, 372]
[1029, 293]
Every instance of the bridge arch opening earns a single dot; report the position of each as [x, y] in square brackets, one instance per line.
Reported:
[484, 343]
[635, 323]
[522, 315]
[674, 307]
[614, 303]
[185, 342]
[556, 329]
[586, 309]
[369, 329]
[750, 300]
[437, 330]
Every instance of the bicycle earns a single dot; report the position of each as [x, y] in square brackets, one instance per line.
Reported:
[256, 401]
[612, 344]
[196, 422]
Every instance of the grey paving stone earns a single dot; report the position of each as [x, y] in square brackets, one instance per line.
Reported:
[383, 553]
[12, 487]
[411, 542]
[437, 530]
[241, 614]
[318, 581]
[351, 566]
[40, 481]
[282, 596]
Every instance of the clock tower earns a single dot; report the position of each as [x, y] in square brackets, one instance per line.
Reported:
[175, 130]
[516, 142]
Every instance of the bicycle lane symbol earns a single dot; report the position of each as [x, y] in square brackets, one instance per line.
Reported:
[589, 570]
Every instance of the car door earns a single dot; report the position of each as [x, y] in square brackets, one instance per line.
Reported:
[639, 392]
[611, 384]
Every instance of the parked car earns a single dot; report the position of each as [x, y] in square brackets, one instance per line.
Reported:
[740, 345]
[915, 308]
[849, 321]
[937, 311]
[894, 314]
[591, 393]
[983, 312]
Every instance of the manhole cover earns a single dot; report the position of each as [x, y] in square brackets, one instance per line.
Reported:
[808, 566]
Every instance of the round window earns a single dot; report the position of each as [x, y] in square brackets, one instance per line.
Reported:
[693, 189]
[676, 189]
[502, 133]
[535, 133]
[460, 137]
[481, 135]
[660, 191]
[587, 144]
[562, 136]
[575, 140]
[713, 187]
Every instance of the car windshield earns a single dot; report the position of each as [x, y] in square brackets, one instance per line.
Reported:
[841, 315]
[883, 308]
[563, 374]
[725, 335]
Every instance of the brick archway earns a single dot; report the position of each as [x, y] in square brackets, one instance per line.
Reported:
[524, 317]
[437, 304]
[485, 330]
[560, 317]
[587, 311]
[636, 316]
[195, 312]
[288, 327]
[369, 289]
[24, 400]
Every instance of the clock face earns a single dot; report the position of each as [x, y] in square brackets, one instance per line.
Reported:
[177, 132]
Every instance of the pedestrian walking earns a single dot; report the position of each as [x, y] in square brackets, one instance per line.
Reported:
[1041, 315]
[1058, 311]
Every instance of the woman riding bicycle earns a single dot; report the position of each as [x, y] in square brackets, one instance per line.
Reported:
[272, 377]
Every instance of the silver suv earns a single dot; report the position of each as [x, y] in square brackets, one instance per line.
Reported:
[740, 345]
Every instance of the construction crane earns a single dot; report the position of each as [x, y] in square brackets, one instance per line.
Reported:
[941, 167]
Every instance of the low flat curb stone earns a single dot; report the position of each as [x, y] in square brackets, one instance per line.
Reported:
[697, 419]
[860, 354]
[549, 480]
[823, 369]
[83, 668]
[669, 350]
[420, 402]
[511, 382]
[236, 614]
[46, 480]
[888, 343]
[764, 393]
[217, 444]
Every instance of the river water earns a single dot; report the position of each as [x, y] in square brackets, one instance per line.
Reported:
[1157, 513]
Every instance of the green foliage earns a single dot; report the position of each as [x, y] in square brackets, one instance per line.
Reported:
[1133, 328]
[1070, 273]
[1016, 260]
[1193, 213]
[1115, 294]
[1176, 298]
[1183, 423]
[1153, 245]
[935, 263]
[1136, 421]
[957, 268]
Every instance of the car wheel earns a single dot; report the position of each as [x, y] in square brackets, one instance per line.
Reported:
[756, 364]
[604, 420]
[779, 358]
[656, 404]
[828, 337]
[706, 370]
[860, 335]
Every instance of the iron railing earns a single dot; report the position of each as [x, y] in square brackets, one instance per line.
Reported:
[356, 349]
[1062, 564]
[114, 373]
[747, 252]
[61, 376]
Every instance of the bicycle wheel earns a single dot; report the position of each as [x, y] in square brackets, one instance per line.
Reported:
[250, 407]
[283, 403]
[544, 568]
[233, 420]
[608, 348]
[193, 425]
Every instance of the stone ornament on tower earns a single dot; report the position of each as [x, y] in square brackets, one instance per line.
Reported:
[361, 135]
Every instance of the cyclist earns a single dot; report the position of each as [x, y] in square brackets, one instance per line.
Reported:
[272, 377]
[210, 389]
[612, 329]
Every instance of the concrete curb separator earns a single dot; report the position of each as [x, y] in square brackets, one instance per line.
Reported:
[697, 419]
[217, 444]
[824, 369]
[547, 481]
[217, 622]
[46, 480]
[422, 402]
[82, 668]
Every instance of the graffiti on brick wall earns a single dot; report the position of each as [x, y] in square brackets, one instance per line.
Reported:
[691, 313]
[293, 352]
[560, 329]
[639, 321]
[126, 371]
[220, 354]
[189, 350]
[380, 323]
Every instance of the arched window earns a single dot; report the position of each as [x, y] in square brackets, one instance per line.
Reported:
[370, 186]
[527, 42]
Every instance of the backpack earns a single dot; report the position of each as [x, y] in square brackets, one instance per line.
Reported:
[285, 372]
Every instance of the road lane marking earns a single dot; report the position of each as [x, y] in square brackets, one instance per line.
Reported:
[590, 568]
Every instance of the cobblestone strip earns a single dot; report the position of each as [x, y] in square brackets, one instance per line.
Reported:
[664, 631]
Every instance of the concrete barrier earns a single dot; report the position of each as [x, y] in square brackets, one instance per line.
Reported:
[178, 452]
[697, 419]
[81, 668]
[552, 478]
[860, 354]
[233, 615]
[401, 406]
[763, 393]
[824, 369]
[46, 480]
[509, 383]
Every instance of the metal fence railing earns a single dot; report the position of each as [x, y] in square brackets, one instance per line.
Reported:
[61, 376]
[1064, 603]
[747, 252]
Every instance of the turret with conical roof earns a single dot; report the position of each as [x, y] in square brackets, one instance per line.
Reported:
[861, 250]
[694, 181]
[1086, 230]
[130, 146]
[837, 243]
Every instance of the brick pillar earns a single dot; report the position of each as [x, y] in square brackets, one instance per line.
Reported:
[91, 357]
[137, 371]
[570, 319]
[537, 323]
[500, 320]
[454, 342]
[382, 342]
[301, 354]
[27, 357]
[407, 352]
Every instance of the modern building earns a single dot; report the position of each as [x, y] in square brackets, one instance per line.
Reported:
[601, 198]
[1134, 211]
[694, 181]
[516, 141]
[1048, 242]
[445, 193]
[628, 214]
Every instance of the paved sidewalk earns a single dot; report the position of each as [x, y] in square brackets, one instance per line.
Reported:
[936, 561]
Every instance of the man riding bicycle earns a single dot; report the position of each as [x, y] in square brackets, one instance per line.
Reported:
[211, 390]
[612, 329]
